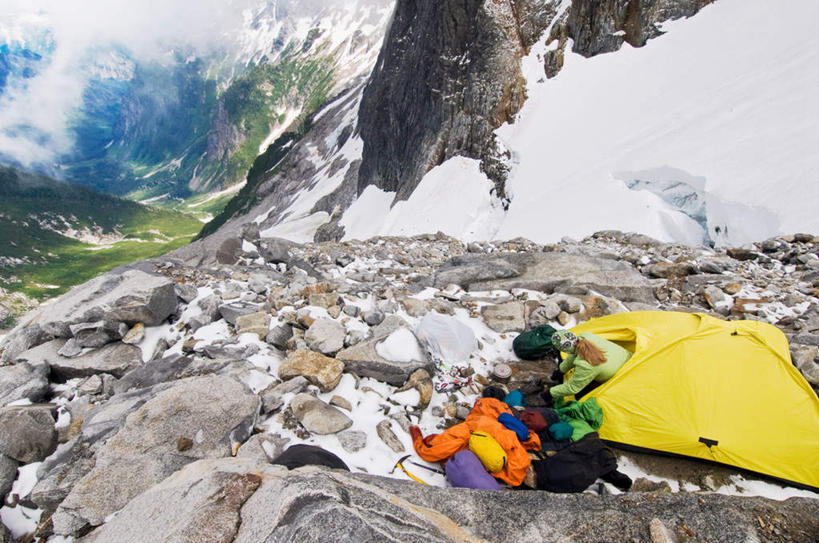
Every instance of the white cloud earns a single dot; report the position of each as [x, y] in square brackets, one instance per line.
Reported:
[148, 29]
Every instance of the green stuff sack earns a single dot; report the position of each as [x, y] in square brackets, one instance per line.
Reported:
[535, 344]
[488, 451]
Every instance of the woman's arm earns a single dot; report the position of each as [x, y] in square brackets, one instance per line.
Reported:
[582, 376]
[568, 363]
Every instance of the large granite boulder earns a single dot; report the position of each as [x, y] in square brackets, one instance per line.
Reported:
[253, 501]
[27, 433]
[23, 381]
[201, 417]
[130, 297]
[325, 336]
[114, 358]
[547, 272]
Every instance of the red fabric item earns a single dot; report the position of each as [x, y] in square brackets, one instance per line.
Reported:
[428, 440]
[415, 433]
[533, 420]
[483, 417]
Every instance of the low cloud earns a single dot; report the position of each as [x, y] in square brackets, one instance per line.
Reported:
[35, 113]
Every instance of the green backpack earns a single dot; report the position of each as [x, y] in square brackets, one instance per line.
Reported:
[535, 344]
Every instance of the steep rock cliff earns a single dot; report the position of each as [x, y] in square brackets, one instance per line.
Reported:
[448, 75]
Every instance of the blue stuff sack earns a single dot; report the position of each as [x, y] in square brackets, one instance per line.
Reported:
[464, 470]
[515, 425]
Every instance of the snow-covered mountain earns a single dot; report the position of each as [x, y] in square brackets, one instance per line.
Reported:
[685, 120]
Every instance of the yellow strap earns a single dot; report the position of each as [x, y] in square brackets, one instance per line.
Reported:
[411, 476]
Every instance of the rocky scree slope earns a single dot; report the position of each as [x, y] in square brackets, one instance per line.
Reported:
[162, 390]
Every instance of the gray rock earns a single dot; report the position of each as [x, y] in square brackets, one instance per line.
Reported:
[547, 272]
[156, 371]
[373, 317]
[325, 336]
[351, 310]
[544, 314]
[323, 299]
[368, 508]
[8, 474]
[135, 335]
[363, 360]
[231, 311]
[23, 381]
[70, 349]
[273, 396]
[200, 503]
[97, 334]
[317, 416]
[352, 440]
[276, 250]
[130, 297]
[114, 358]
[186, 292]
[807, 339]
[258, 282]
[58, 473]
[208, 312]
[212, 412]
[279, 336]
[254, 323]
[805, 358]
[389, 325]
[506, 317]
[105, 420]
[718, 300]
[22, 340]
[388, 436]
[263, 447]
[229, 251]
[27, 433]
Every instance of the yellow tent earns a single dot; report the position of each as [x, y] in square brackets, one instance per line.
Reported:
[723, 391]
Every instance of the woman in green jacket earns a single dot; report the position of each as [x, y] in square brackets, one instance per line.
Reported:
[592, 357]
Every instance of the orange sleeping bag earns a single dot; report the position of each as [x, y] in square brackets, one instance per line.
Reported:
[483, 418]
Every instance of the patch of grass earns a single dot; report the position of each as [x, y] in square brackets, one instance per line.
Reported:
[40, 262]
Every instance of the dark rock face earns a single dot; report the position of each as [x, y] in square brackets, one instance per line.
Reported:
[465, 82]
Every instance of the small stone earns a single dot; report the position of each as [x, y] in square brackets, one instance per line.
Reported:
[373, 317]
[437, 411]
[317, 416]
[338, 401]
[352, 440]
[506, 317]
[451, 411]
[388, 436]
[135, 335]
[279, 336]
[738, 253]
[351, 310]
[183, 444]
[334, 311]
[462, 412]
[71, 349]
[732, 288]
[544, 314]
[564, 318]
[305, 321]
[325, 336]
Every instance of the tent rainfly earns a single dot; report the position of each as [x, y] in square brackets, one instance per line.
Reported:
[721, 391]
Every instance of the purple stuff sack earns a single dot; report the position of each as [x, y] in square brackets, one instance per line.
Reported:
[465, 470]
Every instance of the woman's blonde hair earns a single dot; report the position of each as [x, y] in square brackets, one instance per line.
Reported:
[589, 352]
